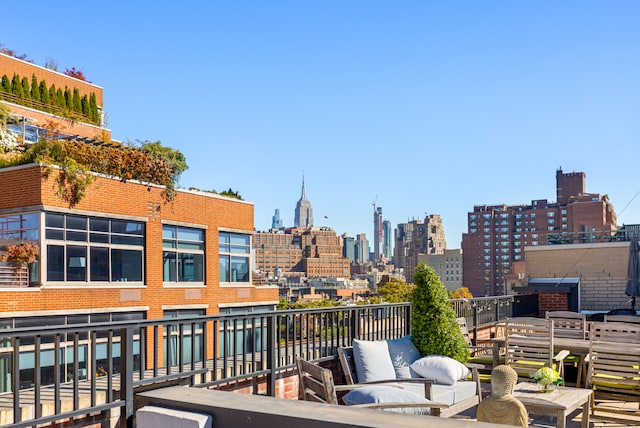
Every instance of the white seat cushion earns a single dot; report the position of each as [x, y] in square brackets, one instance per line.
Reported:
[372, 360]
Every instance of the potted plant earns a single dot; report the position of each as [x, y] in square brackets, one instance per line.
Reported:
[21, 254]
[547, 379]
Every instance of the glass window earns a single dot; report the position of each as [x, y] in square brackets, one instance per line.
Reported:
[234, 256]
[183, 255]
[93, 249]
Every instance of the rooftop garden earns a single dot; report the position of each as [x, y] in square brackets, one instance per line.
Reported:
[147, 161]
[36, 94]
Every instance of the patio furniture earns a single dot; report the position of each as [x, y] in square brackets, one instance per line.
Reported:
[614, 364]
[480, 354]
[529, 346]
[633, 319]
[571, 325]
[397, 362]
[317, 385]
[560, 403]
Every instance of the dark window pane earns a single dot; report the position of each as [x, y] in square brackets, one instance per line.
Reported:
[169, 232]
[169, 266]
[55, 263]
[127, 240]
[190, 267]
[76, 222]
[76, 263]
[99, 263]
[54, 234]
[224, 269]
[99, 237]
[126, 265]
[99, 224]
[54, 220]
[76, 236]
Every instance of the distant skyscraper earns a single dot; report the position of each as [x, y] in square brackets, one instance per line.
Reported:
[377, 232]
[304, 212]
[362, 248]
[417, 237]
[349, 247]
[276, 221]
[387, 239]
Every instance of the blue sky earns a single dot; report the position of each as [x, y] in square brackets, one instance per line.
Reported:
[432, 107]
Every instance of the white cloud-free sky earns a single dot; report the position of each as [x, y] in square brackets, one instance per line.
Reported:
[430, 107]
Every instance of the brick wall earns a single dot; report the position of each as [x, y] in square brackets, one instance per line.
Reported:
[26, 187]
[601, 267]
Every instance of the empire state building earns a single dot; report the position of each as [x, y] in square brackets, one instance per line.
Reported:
[304, 212]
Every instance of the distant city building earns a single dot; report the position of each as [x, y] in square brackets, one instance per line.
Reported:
[308, 252]
[448, 266]
[415, 238]
[387, 240]
[349, 247]
[497, 234]
[361, 248]
[377, 232]
[304, 212]
[276, 221]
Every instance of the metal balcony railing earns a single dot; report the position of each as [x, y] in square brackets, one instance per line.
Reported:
[57, 372]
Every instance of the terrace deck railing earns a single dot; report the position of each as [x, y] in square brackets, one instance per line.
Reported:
[54, 373]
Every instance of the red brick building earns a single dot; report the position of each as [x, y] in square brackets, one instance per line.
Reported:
[123, 252]
[497, 234]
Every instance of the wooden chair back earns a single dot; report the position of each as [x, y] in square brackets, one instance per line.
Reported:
[568, 324]
[614, 361]
[348, 365]
[316, 383]
[529, 345]
[622, 318]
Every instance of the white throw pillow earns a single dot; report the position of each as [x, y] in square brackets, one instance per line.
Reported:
[403, 352]
[386, 394]
[372, 360]
[444, 370]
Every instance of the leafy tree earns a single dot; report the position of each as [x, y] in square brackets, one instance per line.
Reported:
[35, 88]
[395, 291]
[77, 74]
[16, 86]
[461, 293]
[434, 327]
[6, 83]
[174, 158]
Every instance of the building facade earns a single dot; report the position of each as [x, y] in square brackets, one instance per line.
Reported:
[447, 265]
[377, 233]
[309, 252]
[387, 240]
[497, 234]
[415, 238]
[362, 248]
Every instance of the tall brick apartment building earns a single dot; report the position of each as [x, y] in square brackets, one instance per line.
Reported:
[497, 234]
[123, 252]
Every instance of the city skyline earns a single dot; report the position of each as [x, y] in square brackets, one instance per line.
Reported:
[434, 108]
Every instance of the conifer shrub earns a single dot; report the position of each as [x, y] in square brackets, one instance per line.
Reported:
[434, 327]
[35, 89]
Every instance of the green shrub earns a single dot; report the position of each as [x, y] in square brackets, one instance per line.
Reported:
[434, 327]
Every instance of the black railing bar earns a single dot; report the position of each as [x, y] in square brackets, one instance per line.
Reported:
[225, 346]
[176, 375]
[156, 345]
[216, 345]
[37, 375]
[193, 349]
[234, 349]
[180, 347]
[56, 373]
[244, 343]
[110, 365]
[65, 415]
[93, 367]
[76, 373]
[17, 414]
